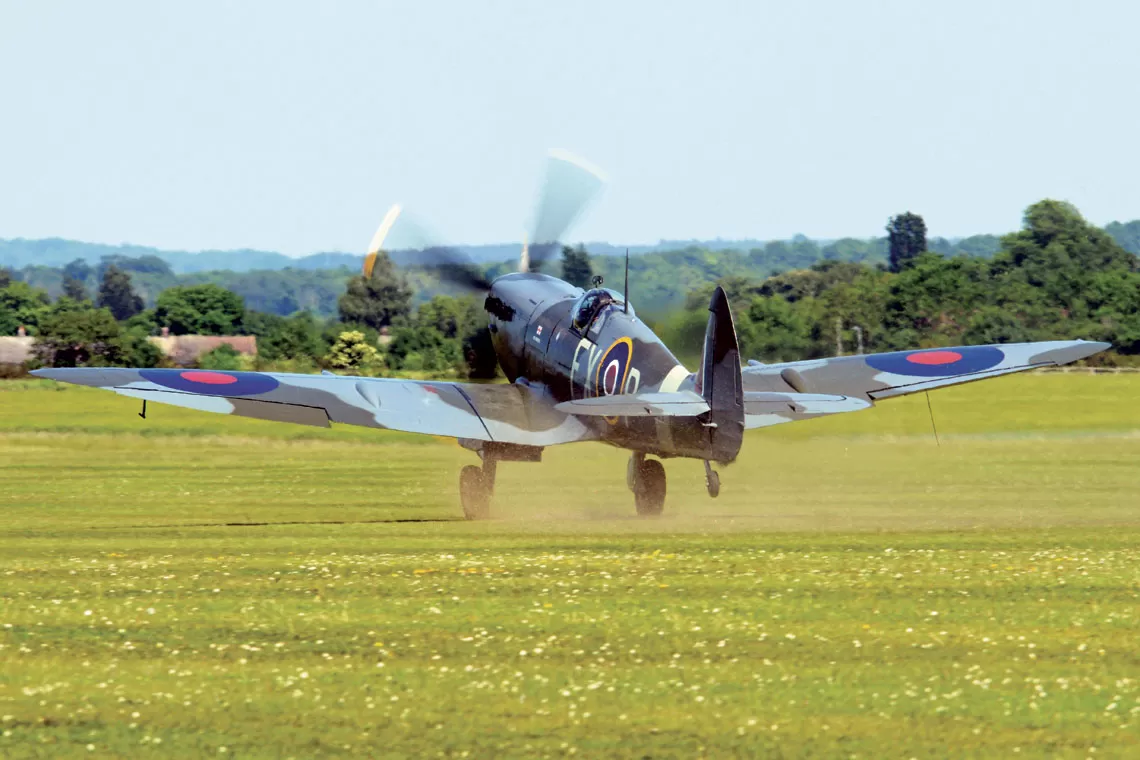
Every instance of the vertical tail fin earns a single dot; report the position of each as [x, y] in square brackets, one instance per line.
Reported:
[719, 380]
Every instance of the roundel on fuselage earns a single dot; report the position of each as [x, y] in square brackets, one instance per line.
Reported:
[613, 369]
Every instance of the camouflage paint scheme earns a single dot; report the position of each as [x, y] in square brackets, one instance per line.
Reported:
[582, 374]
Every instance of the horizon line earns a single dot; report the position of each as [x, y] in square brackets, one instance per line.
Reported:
[587, 244]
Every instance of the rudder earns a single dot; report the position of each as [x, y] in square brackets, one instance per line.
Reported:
[719, 381]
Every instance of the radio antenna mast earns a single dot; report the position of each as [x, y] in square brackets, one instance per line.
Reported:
[625, 306]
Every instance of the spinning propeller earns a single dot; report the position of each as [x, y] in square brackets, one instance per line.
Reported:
[568, 187]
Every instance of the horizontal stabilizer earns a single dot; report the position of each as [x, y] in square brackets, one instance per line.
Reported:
[678, 404]
[764, 408]
[764, 402]
[690, 404]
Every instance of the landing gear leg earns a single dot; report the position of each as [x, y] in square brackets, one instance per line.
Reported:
[712, 480]
[476, 487]
[646, 478]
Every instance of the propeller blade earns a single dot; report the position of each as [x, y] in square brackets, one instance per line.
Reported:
[568, 188]
[453, 266]
[377, 243]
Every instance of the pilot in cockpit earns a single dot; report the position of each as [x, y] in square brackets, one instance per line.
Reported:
[591, 304]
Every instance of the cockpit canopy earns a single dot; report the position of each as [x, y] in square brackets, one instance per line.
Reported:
[591, 303]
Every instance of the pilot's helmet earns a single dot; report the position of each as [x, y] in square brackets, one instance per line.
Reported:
[602, 297]
[592, 301]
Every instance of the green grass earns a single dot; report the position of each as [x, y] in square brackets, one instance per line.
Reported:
[174, 586]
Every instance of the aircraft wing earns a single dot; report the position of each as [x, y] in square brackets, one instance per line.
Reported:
[878, 376]
[502, 413]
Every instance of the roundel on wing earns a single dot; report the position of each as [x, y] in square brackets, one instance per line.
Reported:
[938, 362]
[211, 383]
[613, 369]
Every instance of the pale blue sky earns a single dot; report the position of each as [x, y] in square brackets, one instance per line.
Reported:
[291, 126]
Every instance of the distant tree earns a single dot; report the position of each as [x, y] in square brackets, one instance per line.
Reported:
[378, 300]
[200, 310]
[140, 264]
[295, 337]
[993, 325]
[281, 292]
[74, 334]
[906, 234]
[780, 330]
[74, 289]
[1127, 235]
[798, 253]
[936, 296]
[352, 351]
[1057, 223]
[450, 316]
[479, 353]
[142, 352]
[463, 325]
[142, 323]
[5, 277]
[78, 269]
[423, 347]
[982, 246]
[576, 268]
[855, 250]
[1055, 271]
[740, 291]
[117, 296]
[21, 305]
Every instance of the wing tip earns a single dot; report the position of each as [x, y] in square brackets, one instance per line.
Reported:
[1074, 351]
[91, 376]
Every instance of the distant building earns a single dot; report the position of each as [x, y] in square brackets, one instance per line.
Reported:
[184, 350]
[15, 350]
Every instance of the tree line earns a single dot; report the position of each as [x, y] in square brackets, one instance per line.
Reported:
[664, 278]
[1057, 277]
[378, 329]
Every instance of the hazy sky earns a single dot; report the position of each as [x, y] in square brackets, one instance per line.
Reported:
[292, 126]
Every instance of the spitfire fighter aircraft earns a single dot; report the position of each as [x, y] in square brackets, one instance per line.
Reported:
[581, 366]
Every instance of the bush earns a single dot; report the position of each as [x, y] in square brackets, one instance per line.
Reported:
[352, 351]
[223, 358]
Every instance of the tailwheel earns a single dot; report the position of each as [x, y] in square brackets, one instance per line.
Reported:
[712, 480]
[649, 488]
[475, 492]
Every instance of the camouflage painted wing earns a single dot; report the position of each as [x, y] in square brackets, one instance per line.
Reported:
[878, 376]
[502, 413]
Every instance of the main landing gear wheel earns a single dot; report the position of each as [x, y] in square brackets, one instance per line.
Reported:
[475, 492]
[649, 487]
[712, 480]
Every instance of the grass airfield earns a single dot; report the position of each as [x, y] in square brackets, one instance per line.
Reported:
[197, 585]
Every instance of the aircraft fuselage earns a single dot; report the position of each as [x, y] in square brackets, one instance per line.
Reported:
[550, 336]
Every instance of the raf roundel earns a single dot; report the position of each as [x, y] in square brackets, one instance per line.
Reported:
[613, 369]
[210, 383]
[939, 362]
